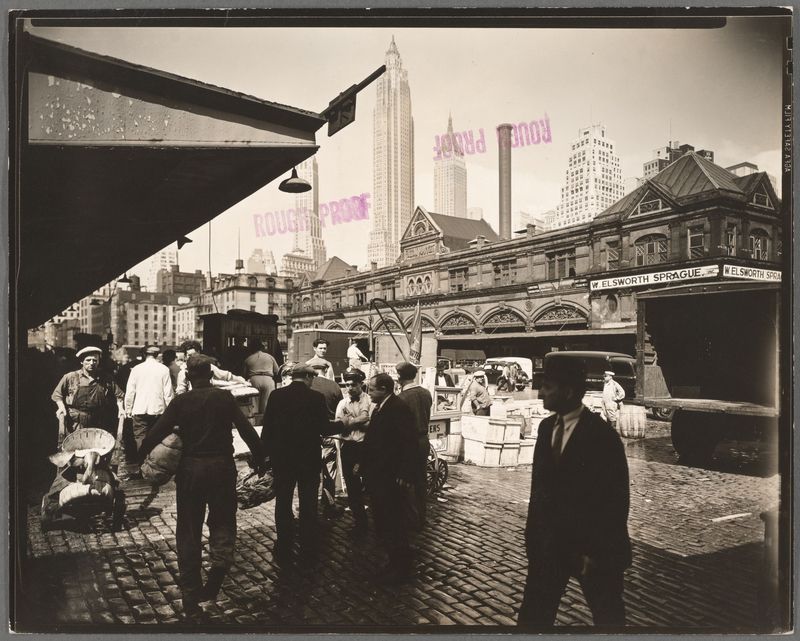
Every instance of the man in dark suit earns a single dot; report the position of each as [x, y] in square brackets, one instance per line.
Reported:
[295, 420]
[578, 511]
[390, 454]
[419, 401]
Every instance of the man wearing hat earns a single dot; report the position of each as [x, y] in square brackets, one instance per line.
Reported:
[206, 478]
[332, 394]
[612, 397]
[477, 393]
[419, 401]
[295, 420]
[578, 512]
[147, 394]
[86, 397]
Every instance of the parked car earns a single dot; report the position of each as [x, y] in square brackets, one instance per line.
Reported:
[623, 366]
[494, 371]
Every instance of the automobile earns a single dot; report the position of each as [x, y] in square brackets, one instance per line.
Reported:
[623, 366]
[494, 371]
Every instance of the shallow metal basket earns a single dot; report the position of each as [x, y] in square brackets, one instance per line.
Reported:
[89, 438]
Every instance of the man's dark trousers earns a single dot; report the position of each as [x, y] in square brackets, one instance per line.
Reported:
[351, 456]
[602, 588]
[307, 489]
[142, 424]
[204, 482]
[421, 480]
[390, 513]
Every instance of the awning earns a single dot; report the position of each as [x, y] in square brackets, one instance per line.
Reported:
[117, 161]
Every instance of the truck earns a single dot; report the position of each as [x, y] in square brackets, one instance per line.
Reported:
[710, 353]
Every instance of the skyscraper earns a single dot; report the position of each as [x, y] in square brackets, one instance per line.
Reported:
[261, 262]
[593, 178]
[450, 177]
[393, 161]
[164, 259]
[308, 234]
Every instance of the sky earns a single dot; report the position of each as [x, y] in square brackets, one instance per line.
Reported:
[717, 89]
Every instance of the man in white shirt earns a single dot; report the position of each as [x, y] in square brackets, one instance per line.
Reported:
[354, 355]
[318, 360]
[353, 411]
[147, 394]
[612, 397]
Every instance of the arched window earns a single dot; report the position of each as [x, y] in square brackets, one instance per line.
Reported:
[427, 285]
[651, 250]
[759, 244]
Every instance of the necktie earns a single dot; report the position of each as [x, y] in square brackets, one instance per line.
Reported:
[558, 439]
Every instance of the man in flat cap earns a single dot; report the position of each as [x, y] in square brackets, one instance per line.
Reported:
[87, 397]
[419, 401]
[147, 394]
[578, 510]
[295, 421]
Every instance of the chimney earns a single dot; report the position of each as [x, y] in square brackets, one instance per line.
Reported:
[348, 272]
[530, 230]
[373, 265]
[355, 268]
[136, 283]
[504, 154]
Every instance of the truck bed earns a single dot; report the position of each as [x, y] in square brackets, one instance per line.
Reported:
[739, 408]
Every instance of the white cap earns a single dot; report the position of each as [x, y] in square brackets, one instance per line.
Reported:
[608, 372]
[88, 350]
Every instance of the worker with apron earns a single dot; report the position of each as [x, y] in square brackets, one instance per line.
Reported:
[86, 397]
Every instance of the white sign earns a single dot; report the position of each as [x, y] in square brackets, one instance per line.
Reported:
[655, 278]
[437, 429]
[751, 273]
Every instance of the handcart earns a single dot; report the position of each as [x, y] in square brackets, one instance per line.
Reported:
[85, 485]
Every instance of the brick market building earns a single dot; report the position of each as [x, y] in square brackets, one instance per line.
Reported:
[573, 288]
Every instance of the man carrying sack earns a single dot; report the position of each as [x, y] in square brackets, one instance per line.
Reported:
[206, 477]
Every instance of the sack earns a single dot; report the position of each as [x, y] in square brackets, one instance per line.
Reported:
[253, 490]
[162, 462]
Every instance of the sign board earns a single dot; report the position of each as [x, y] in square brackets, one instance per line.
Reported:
[751, 273]
[438, 429]
[655, 278]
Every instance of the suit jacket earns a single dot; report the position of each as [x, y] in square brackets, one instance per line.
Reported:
[295, 419]
[580, 505]
[419, 401]
[390, 444]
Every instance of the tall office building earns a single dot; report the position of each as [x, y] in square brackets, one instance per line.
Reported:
[393, 162]
[261, 262]
[664, 156]
[593, 178]
[308, 235]
[164, 259]
[450, 177]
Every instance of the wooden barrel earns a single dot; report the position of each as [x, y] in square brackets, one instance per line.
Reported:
[631, 421]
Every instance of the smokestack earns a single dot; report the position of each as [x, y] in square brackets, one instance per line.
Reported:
[504, 154]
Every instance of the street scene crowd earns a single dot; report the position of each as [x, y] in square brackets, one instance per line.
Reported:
[377, 432]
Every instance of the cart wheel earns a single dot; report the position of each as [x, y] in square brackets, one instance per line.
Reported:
[118, 511]
[441, 477]
[664, 413]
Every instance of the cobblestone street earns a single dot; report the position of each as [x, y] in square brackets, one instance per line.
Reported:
[692, 568]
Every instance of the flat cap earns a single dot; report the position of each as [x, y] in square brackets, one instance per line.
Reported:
[303, 370]
[153, 349]
[406, 370]
[608, 372]
[91, 349]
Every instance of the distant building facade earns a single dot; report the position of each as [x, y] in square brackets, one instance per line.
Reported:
[174, 281]
[539, 292]
[474, 213]
[665, 156]
[308, 236]
[262, 262]
[593, 178]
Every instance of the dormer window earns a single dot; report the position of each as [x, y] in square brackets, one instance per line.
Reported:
[761, 198]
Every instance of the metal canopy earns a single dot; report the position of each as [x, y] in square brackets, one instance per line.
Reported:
[117, 161]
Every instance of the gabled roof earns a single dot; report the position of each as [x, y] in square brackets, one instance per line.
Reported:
[690, 178]
[332, 269]
[457, 231]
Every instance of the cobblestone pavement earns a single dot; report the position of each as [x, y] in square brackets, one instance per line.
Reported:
[693, 568]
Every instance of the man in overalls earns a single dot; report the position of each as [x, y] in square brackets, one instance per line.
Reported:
[86, 397]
